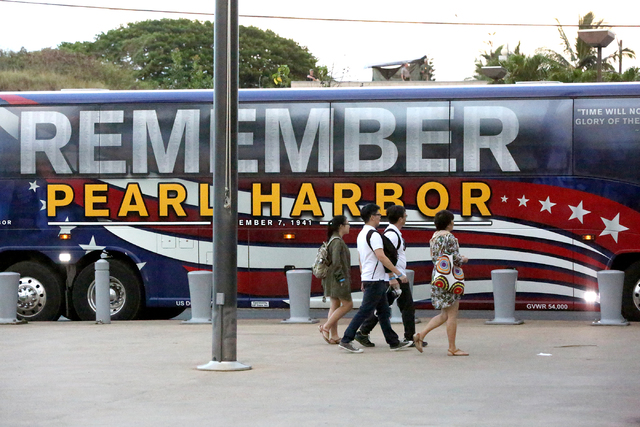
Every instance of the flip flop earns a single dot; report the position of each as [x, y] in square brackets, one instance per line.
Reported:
[456, 352]
[417, 341]
[334, 340]
[325, 333]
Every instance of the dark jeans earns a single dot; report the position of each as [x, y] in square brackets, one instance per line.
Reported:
[374, 299]
[405, 304]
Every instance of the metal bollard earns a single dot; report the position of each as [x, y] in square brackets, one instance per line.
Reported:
[103, 291]
[299, 283]
[611, 284]
[504, 297]
[200, 291]
[396, 314]
[9, 283]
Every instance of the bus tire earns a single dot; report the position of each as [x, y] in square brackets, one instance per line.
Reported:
[631, 292]
[39, 293]
[125, 292]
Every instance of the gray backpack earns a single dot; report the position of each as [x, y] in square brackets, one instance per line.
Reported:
[322, 262]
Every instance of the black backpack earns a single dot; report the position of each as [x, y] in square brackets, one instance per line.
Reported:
[388, 247]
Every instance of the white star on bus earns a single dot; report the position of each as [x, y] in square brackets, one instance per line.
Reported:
[523, 201]
[546, 205]
[92, 246]
[578, 212]
[613, 227]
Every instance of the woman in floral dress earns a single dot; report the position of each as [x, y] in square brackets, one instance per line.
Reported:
[443, 242]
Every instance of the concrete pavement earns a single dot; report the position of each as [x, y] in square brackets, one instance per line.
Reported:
[143, 373]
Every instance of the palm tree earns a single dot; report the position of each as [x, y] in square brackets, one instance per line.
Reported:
[619, 54]
[579, 61]
[488, 59]
[519, 66]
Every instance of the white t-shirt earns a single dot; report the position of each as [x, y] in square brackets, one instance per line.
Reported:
[371, 268]
[402, 257]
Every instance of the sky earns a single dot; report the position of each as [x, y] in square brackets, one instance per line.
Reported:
[346, 48]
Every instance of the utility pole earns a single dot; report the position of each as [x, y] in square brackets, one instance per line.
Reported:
[225, 190]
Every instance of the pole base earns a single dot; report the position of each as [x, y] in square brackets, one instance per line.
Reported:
[13, 322]
[197, 321]
[300, 320]
[609, 322]
[511, 321]
[224, 366]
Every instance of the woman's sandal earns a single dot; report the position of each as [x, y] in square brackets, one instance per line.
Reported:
[334, 340]
[325, 333]
[456, 352]
[417, 341]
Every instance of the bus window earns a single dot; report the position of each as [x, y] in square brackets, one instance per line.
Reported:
[607, 138]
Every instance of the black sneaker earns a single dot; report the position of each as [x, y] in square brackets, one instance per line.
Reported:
[402, 344]
[364, 340]
[424, 344]
[349, 347]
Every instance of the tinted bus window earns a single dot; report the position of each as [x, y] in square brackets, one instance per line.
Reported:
[607, 138]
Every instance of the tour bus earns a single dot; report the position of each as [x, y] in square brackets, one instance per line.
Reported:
[543, 179]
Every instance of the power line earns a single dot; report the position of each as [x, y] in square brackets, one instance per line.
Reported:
[299, 18]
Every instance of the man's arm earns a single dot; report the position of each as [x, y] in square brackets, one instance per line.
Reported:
[387, 263]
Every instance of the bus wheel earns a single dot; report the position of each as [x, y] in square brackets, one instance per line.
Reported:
[125, 292]
[39, 292]
[631, 292]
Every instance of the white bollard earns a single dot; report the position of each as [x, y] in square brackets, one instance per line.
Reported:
[103, 291]
[9, 283]
[611, 284]
[504, 297]
[200, 291]
[299, 283]
[396, 314]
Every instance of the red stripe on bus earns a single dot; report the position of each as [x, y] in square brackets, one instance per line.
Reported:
[15, 99]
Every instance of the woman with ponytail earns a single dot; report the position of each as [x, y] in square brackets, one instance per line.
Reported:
[337, 283]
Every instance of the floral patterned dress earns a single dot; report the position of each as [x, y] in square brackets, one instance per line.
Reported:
[441, 243]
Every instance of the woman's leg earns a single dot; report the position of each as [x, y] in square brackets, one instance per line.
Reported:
[338, 309]
[434, 323]
[452, 325]
[334, 303]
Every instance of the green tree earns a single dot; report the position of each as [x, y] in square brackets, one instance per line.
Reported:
[281, 77]
[262, 52]
[149, 48]
[178, 53]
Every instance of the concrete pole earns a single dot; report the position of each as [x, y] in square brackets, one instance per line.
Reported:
[9, 284]
[299, 283]
[611, 285]
[504, 297]
[200, 288]
[102, 291]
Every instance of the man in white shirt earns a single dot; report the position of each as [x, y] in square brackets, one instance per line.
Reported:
[374, 286]
[397, 218]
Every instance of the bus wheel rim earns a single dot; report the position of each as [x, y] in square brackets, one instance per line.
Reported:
[32, 297]
[636, 295]
[117, 296]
